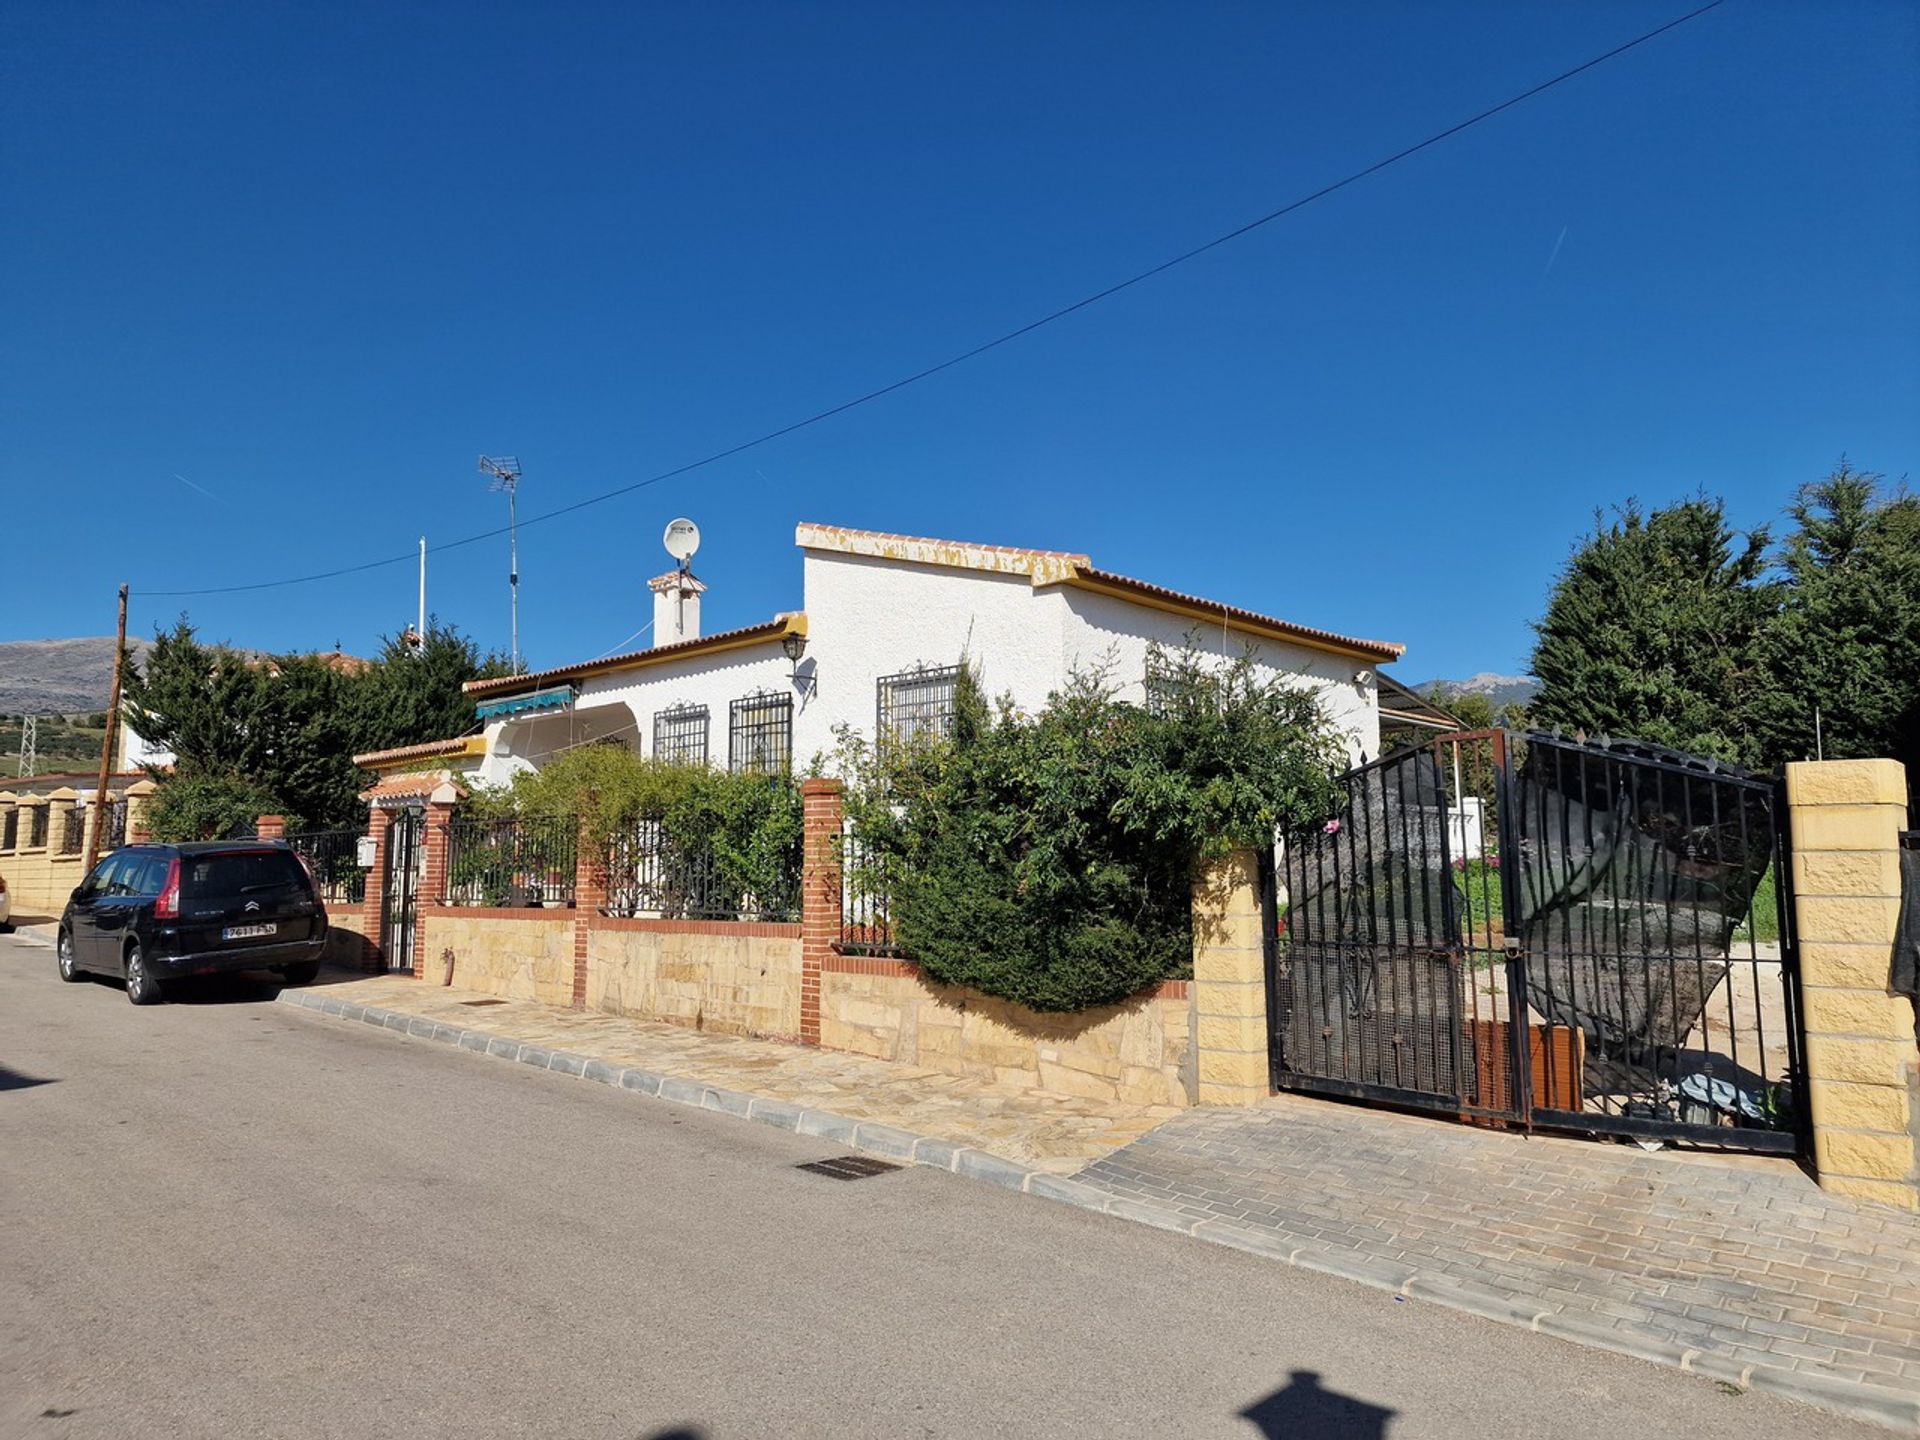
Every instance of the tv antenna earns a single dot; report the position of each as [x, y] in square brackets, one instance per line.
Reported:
[505, 470]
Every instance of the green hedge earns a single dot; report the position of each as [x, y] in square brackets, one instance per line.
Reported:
[1049, 859]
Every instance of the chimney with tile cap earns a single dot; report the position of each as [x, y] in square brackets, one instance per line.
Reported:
[676, 606]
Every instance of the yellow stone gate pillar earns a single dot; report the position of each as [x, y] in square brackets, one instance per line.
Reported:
[1863, 1067]
[1230, 983]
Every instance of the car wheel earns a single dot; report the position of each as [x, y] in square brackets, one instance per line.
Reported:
[69, 970]
[142, 988]
[301, 974]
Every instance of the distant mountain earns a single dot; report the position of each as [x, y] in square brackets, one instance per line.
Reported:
[57, 677]
[1500, 689]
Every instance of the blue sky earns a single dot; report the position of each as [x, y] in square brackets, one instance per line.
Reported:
[315, 258]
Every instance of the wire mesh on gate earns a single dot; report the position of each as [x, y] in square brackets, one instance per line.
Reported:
[1588, 934]
[333, 858]
[654, 874]
[1649, 890]
[521, 862]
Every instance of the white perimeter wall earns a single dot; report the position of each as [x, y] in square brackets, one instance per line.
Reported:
[868, 617]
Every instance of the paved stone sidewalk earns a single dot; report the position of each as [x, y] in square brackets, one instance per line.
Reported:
[1741, 1259]
[1056, 1134]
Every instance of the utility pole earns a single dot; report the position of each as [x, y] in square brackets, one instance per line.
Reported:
[505, 470]
[29, 744]
[421, 632]
[106, 743]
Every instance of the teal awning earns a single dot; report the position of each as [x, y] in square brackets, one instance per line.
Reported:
[557, 698]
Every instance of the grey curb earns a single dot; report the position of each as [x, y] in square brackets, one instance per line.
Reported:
[1897, 1409]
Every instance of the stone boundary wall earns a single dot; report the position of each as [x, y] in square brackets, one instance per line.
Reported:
[348, 943]
[733, 978]
[1136, 1052]
[41, 877]
[515, 954]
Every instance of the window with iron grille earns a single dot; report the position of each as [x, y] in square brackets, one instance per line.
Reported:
[916, 705]
[681, 734]
[1158, 683]
[760, 737]
[37, 831]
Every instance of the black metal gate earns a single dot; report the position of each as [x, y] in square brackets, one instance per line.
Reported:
[400, 886]
[1524, 929]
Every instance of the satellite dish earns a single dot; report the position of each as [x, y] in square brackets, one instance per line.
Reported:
[682, 539]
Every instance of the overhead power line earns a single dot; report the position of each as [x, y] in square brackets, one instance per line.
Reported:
[994, 344]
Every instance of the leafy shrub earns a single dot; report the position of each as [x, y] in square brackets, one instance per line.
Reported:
[749, 825]
[206, 807]
[1049, 860]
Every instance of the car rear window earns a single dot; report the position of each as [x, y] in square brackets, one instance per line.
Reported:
[239, 872]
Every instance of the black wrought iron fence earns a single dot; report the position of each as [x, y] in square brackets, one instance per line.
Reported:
[114, 835]
[652, 873]
[334, 858]
[74, 839]
[515, 862]
[10, 830]
[37, 827]
[866, 889]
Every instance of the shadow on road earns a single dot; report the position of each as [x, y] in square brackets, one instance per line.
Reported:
[14, 1080]
[1302, 1410]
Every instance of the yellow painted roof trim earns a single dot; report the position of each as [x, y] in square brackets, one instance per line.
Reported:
[470, 747]
[1240, 621]
[788, 622]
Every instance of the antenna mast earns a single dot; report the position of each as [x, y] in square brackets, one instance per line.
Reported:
[421, 630]
[505, 470]
[29, 744]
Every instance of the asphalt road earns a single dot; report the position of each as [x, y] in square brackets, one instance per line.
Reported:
[232, 1218]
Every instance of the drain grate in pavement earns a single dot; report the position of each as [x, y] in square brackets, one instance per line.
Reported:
[848, 1167]
[483, 1002]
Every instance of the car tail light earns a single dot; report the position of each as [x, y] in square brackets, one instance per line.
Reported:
[167, 907]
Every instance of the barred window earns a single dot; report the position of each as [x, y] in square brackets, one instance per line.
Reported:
[916, 705]
[680, 734]
[760, 737]
[1158, 682]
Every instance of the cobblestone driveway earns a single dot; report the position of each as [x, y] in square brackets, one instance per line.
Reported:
[1737, 1257]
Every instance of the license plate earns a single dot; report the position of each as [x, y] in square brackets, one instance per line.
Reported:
[247, 932]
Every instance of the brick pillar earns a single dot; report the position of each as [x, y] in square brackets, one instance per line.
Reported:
[589, 899]
[433, 876]
[1230, 983]
[373, 911]
[823, 805]
[271, 827]
[1863, 1085]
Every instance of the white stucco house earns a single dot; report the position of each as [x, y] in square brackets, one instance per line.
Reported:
[883, 621]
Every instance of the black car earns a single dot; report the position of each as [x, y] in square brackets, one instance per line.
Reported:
[153, 913]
